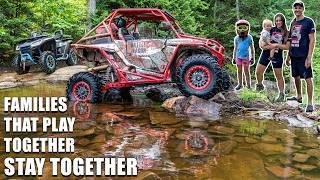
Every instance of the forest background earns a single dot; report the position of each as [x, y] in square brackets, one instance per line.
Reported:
[205, 18]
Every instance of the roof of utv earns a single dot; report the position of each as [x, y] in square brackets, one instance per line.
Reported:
[144, 13]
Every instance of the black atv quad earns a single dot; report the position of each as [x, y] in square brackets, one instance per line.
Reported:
[45, 51]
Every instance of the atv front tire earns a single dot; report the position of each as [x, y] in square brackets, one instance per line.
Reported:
[72, 58]
[16, 64]
[48, 62]
[84, 86]
[199, 75]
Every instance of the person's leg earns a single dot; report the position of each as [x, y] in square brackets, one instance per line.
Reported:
[260, 69]
[309, 83]
[278, 73]
[296, 64]
[297, 82]
[239, 76]
[248, 76]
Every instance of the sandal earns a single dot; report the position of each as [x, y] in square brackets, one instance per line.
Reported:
[294, 99]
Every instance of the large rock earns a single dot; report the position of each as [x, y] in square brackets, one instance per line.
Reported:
[221, 130]
[204, 107]
[281, 172]
[6, 85]
[163, 118]
[269, 149]
[314, 153]
[298, 157]
[240, 164]
[223, 148]
[305, 167]
[251, 140]
[63, 74]
[297, 120]
[193, 105]
[175, 104]
[268, 139]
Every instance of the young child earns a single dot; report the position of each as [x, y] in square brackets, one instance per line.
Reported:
[266, 37]
[242, 42]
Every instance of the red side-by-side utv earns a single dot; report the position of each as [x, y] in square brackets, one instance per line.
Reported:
[134, 47]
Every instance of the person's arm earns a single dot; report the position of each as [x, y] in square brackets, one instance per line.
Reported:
[283, 46]
[288, 59]
[265, 46]
[312, 39]
[252, 51]
[234, 48]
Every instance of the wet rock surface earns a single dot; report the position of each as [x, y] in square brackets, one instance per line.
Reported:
[187, 146]
[193, 105]
[269, 149]
[61, 75]
[223, 148]
[298, 157]
[281, 172]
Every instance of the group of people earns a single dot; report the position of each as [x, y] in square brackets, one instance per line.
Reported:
[299, 41]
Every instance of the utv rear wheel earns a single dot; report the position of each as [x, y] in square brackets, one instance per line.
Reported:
[84, 86]
[48, 62]
[199, 75]
[226, 80]
[72, 58]
[18, 67]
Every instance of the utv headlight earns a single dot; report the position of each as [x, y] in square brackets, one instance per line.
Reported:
[17, 48]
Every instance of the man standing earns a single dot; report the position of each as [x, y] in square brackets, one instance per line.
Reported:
[302, 42]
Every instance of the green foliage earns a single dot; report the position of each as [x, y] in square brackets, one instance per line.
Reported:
[247, 95]
[207, 18]
[258, 128]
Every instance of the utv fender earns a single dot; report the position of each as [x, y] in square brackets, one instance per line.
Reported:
[183, 53]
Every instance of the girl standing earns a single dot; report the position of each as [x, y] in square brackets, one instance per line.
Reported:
[242, 42]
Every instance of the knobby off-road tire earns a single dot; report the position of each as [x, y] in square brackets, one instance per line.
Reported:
[226, 80]
[84, 86]
[199, 75]
[72, 58]
[114, 94]
[16, 64]
[48, 62]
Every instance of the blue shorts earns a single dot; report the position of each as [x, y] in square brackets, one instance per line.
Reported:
[298, 68]
[278, 59]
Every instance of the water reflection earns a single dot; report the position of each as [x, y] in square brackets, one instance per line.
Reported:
[182, 147]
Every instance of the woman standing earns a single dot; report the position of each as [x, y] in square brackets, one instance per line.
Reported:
[279, 33]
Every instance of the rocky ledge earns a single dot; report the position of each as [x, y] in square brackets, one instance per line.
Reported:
[61, 75]
[230, 103]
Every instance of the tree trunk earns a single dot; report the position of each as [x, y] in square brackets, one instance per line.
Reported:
[91, 12]
[237, 9]
[215, 12]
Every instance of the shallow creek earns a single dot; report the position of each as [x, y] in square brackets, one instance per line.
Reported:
[178, 146]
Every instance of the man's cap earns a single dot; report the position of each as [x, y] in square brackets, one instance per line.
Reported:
[298, 3]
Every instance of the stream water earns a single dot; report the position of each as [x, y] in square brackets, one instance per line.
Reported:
[177, 146]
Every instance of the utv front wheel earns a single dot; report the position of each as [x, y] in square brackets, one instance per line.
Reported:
[226, 80]
[48, 62]
[199, 75]
[72, 58]
[84, 86]
[18, 67]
